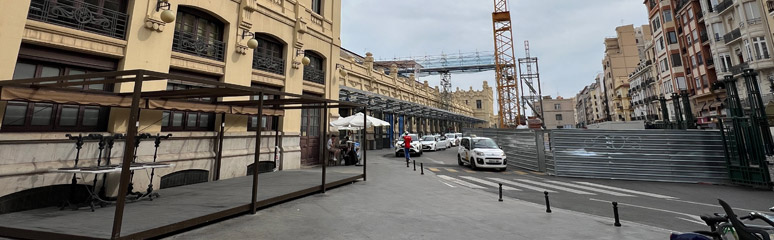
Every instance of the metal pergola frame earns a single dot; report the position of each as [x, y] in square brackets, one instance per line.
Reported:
[57, 90]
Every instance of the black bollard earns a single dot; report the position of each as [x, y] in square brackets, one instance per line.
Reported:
[422, 168]
[501, 192]
[415, 165]
[548, 203]
[615, 213]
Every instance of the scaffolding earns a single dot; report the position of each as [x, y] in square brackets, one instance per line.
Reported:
[529, 74]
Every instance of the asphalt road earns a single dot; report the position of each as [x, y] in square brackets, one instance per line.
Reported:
[673, 206]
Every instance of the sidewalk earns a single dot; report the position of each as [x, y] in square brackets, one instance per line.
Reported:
[398, 203]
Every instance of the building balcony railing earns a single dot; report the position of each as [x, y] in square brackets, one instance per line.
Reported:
[770, 6]
[733, 35]
[80, 15]
[764, 56]
[737, 69]
[268, 63]
[709, 61]
[314, 75]
[704, 38]
[724, 5]
[192, 44]
[754, 21]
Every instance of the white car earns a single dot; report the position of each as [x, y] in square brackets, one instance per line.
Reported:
[480, 152]
[452, 138]
[416, 147]
[433, 143]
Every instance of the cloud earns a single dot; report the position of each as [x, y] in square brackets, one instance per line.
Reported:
[566, 35]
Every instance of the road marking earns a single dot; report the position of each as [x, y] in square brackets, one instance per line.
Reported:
[694, 217]
[438, 162]
[710, 205]
[590, 189]
[506, 173]
[555, 187]
[539, 173]
[451, 170]
[693, 221]
[433, 169]
[626, 190]
[488, 183]
[446, 183]
[520, 172]
[521, 185]
[460, 182]
[469, 171]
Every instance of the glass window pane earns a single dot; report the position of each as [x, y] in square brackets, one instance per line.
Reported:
[191, 120]
[165, 119]
[41, 114]
[24, 70]
[253, 121]
[98, 86]
[263, 122]
[76, 72]
[204, 120]
[90, 117]
[69, 116]
[15, 114]
[177, 119]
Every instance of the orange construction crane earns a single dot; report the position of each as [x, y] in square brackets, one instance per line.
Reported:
[505, 67]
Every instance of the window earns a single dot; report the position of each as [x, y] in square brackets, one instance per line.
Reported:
[661, 44]
[478, 104]
[693, 61]
[668, 15]
[267, 122]
[557, 106]
[752, 11]
[269, 56]
[699, 58]
[314, 71]
[680, 83]
[656, 24]
[676, 62]
[317, 6]
[197, 33]
[695, 35]
[690, 14]
[717, 28]
[664, 65]
[188, 121]
[672, 37]
[725, 60]
[749, 50]
[688, 40]
[705, 81]
[558, 117]
[26, 116]
[698, 82]
[761, 50]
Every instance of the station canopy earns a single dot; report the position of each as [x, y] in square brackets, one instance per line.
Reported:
[378, 102]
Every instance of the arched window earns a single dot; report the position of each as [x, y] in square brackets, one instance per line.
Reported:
[198, 33]
[104, 17]
[314, 72]
[269, 56]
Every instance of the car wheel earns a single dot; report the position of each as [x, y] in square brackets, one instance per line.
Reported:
[472, 164]
[502, 169]
[459, 160]
[397, 154]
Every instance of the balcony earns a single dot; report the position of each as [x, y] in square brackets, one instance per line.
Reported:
[80, 15]
[198, 46]
[754, 21]
[314, 75]
[268, 63]
[733, 35]
[770, 6]
[737, 69]
[724, 5]
[704, 38]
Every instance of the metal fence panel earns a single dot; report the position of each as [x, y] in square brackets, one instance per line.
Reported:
[519, 145]
[651, 155]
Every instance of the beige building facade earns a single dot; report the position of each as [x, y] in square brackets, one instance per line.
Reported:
[298, 51]
[558, 112]
[621, 58]
[481, 102]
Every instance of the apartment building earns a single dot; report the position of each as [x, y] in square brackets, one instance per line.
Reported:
[582, 108]
[558, 112]
[621, 57]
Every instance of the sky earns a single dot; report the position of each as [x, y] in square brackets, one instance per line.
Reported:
[567, 36]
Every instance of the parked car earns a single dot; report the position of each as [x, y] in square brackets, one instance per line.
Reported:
[481, 152]
[452, 138]
[416, 147]
[444, 141]
[433, 143]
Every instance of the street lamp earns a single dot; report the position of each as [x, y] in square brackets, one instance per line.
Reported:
[252, 43]
[167, 15]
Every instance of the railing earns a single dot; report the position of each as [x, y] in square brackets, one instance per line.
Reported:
[704, 38]
[733, 35]
[80, 15]
[754, 21]
[737, 69]
[191, 44]
[770, 6]
[709, 61]
[764, 56]
[314, 75]
[722, 6]
[268, 63]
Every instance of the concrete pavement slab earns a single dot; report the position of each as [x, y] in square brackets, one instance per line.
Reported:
[399, 203]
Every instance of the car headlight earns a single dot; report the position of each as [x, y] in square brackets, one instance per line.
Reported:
[478, 153]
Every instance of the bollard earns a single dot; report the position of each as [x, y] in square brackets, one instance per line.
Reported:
[422, 168]
[548, 203]
[415, 165]
[501, 192]
[615, 213]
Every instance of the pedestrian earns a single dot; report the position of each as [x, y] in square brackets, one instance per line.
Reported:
[407, 146]
[333, 149]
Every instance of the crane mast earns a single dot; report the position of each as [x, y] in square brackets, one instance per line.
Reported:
[509, 110]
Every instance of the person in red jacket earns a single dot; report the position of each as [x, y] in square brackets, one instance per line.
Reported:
[407, 146]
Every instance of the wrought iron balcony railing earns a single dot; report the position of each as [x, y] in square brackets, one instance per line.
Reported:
[190, 43]
[770, 6]
[314, 75]
[80, 15]
[722, 6]
[737, 69]
[268, 63]
[754, 21]
[733, 35]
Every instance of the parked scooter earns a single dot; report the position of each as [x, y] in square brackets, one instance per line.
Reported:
[729, 226]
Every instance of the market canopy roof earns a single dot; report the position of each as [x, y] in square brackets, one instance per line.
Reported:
[383, 103]
[59, 90]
